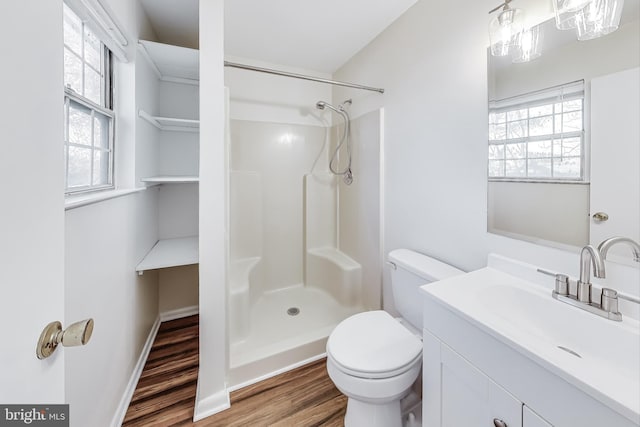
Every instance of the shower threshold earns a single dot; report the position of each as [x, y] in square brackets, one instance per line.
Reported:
[288, 327]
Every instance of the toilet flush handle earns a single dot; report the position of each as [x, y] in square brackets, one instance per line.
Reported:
[392, 265]
[499, 423]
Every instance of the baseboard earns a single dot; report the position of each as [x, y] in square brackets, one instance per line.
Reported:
[210, 405]
[178, 313]
[121, 411]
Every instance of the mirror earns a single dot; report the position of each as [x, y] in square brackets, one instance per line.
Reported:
[563, 138]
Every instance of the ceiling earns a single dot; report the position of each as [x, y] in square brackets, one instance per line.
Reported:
[314, 35]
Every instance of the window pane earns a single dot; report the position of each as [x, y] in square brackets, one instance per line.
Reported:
[568, 167]
[496, 151]
[79, 167]
[573, 105]
[517, 129]
[541, 126]
[72, 71]
[538, 149]
[516, 151]
[516, 168]
[91, 49]
[79, 125]
[517, 114]
[497, 117]
[497, 132]
[101, 131]
[92, 83]
[72, 31]
[542, 110]
[572, 121]
[567, 147]
[539, 168]
[100, 168]
[496, 168]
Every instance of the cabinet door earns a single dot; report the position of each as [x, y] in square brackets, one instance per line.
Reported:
[470, 398]
[531, 419]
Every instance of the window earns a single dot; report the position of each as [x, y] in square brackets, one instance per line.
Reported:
[88, 111]
[539, 136]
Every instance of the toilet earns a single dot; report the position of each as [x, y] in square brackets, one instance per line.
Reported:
[373, 358]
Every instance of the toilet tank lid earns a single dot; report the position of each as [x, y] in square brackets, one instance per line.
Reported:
[422, 265]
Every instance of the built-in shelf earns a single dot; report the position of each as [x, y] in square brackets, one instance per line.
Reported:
[170, 123]
[172, 63]
[170, 179]
[171, 253]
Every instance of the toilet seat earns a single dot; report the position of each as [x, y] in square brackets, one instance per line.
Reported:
[373, 345]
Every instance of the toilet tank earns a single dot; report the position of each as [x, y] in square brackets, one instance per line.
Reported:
[412, 271]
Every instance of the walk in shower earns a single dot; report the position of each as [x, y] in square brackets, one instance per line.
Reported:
[304, 242]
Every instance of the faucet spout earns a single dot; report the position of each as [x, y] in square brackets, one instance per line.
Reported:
[589, 256]
[604, 247]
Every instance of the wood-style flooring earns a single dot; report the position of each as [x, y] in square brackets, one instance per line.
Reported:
[165, 395]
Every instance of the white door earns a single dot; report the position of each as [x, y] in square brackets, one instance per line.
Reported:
[615, 157]
[470, 398]
[531, 419]
[32, 207]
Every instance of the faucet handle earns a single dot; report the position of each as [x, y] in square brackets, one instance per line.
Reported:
[562, 284]
[609, 300]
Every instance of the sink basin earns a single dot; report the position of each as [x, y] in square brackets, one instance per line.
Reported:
[597, 355]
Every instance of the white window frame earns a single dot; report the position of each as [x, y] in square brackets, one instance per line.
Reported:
[551, 96]
[105, 110]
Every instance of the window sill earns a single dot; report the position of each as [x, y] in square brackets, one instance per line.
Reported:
[72, 202]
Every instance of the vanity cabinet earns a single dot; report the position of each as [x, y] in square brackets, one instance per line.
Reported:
[471, 378]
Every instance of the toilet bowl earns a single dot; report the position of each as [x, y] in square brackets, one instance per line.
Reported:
[373, 358]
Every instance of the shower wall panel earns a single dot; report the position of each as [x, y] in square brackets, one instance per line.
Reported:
[281, 154]
[359, 206]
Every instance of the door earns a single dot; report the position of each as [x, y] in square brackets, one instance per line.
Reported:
[531, 419]
[615, 172]
[470, 398]
[32, 207]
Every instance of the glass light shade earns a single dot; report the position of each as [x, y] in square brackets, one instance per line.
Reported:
[566, 12]
[503, 28]
[598, 18]
[527, 45]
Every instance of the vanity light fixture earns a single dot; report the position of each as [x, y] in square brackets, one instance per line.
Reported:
[590, 18]
[527, 45]
[503, 27]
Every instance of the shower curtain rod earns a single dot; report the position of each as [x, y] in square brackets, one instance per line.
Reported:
[300, 76]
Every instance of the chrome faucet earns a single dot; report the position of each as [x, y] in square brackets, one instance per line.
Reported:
[589, 256]
[604, 247]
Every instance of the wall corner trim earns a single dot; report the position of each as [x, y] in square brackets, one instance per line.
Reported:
[178, 313]
[121, 411]
[207, 406]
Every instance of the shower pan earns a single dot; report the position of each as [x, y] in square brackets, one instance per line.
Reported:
[290, 281]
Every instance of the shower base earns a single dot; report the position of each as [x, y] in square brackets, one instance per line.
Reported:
[278, 340]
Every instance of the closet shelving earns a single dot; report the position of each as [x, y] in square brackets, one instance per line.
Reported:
[179, 67]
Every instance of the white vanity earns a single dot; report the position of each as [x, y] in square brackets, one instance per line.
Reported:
[500, 351]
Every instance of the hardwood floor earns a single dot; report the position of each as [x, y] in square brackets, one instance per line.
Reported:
[165, 395]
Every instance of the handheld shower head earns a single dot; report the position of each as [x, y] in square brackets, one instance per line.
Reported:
[320, 105]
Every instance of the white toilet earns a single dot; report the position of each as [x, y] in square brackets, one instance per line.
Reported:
[374, 359]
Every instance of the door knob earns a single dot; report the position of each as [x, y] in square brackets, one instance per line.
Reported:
[499, 423]
[76, 334]
[600, 217]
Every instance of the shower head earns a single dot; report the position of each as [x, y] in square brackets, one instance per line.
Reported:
[320, 105]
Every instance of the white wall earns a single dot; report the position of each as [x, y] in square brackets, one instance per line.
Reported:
[269, 98]
[432, 63]
[103, 244]
[212, 395]
[32, 186]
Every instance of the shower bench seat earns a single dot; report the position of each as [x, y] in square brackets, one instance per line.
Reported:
[170, 253]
